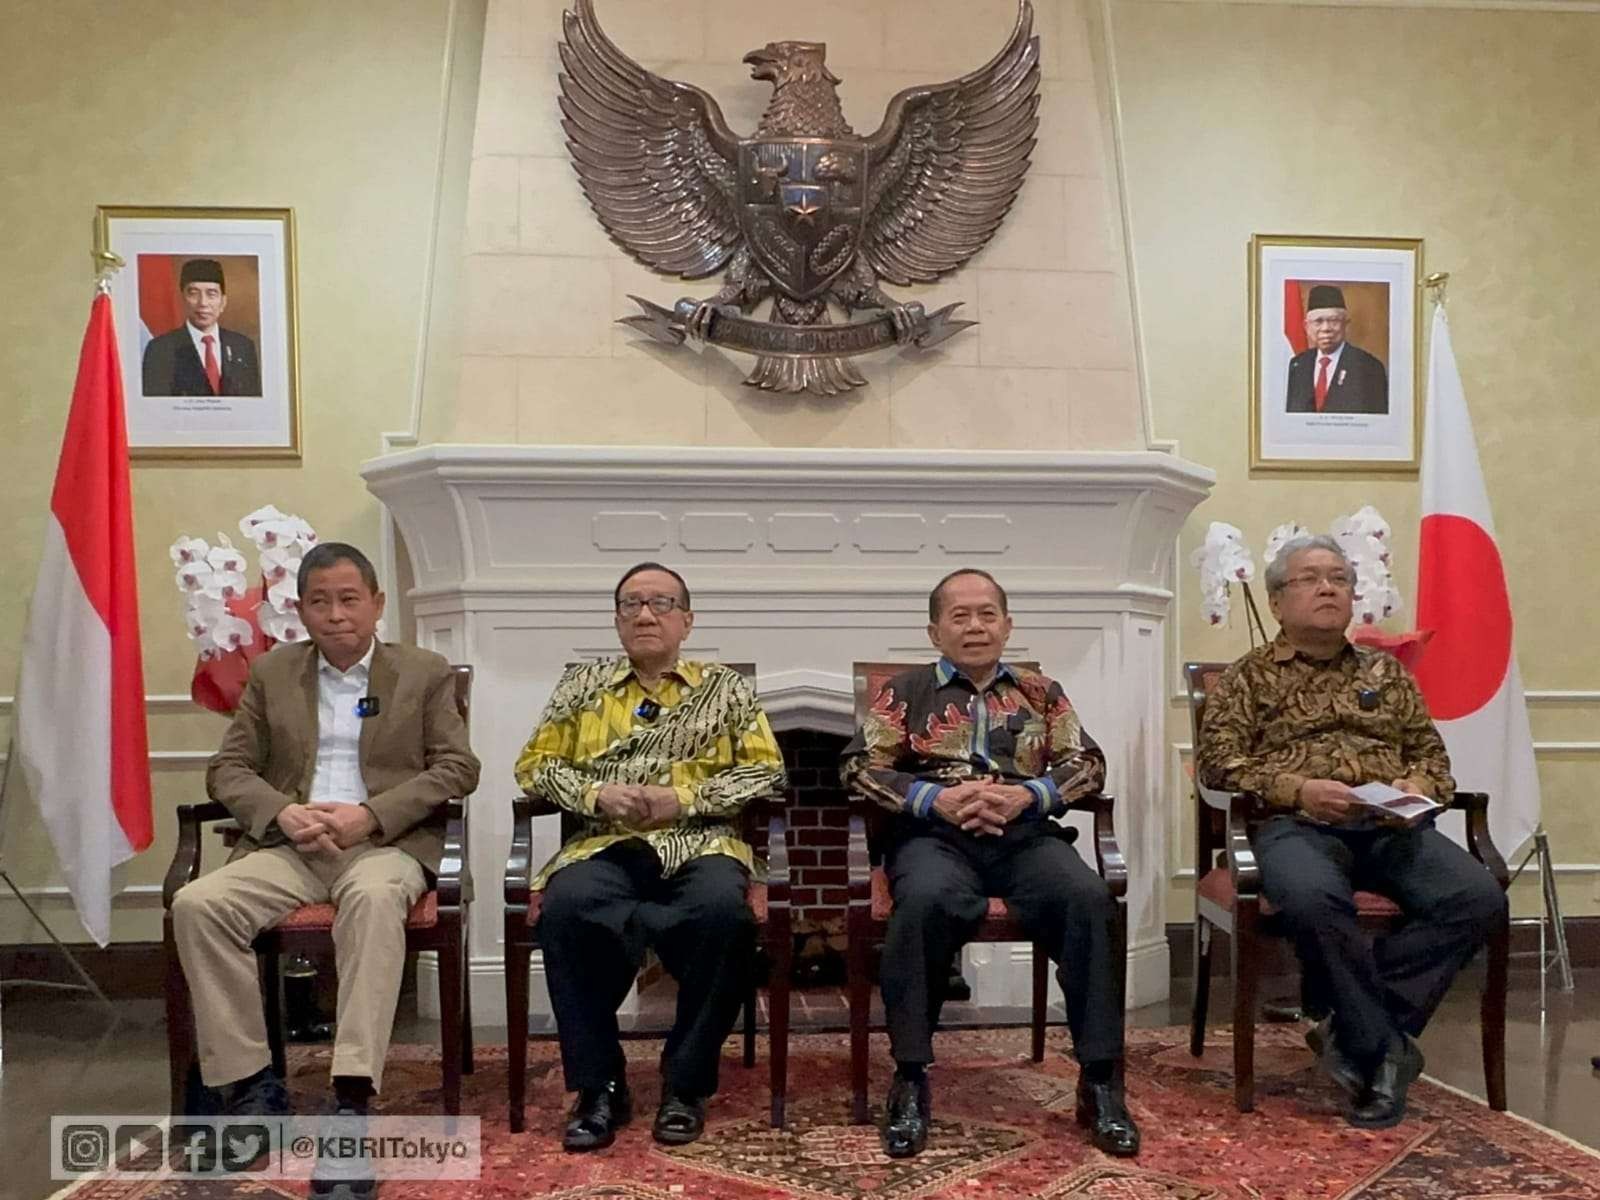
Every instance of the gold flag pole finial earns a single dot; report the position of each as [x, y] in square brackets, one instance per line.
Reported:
[1434, 285]
[106, 264]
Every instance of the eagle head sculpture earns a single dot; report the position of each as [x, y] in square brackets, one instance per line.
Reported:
[804, 212]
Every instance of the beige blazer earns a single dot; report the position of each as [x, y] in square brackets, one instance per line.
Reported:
[414, 752]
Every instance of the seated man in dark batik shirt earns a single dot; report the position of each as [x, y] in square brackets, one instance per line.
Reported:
[973, 756]
[1301, 721]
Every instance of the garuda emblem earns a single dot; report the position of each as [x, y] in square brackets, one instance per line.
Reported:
[805, 212]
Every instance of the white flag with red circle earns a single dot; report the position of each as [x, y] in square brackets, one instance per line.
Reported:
[1469, 672]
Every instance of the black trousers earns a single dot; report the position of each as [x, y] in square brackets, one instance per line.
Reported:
[598, 917]
[940, 878]
[1377, 987]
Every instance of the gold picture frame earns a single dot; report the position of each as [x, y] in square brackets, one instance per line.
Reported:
[1335, 354]
[207, 335]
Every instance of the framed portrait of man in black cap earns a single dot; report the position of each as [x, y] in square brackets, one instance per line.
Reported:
[204, 310]
[1334, 353]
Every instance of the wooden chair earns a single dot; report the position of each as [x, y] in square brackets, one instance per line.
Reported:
[768, 901]
[870, 902]
[437, 922]
[1228, 900]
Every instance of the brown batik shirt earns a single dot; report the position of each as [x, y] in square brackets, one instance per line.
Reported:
[1277, 718]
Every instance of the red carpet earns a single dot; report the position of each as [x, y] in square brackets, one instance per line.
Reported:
[1004, 1129]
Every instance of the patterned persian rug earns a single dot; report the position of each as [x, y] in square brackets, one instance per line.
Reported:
[1004, 1129]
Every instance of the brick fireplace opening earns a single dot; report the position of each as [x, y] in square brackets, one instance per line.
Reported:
[819, 832]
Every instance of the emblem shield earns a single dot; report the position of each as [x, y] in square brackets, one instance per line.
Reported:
[801, 208]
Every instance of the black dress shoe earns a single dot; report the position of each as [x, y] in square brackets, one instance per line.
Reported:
[679, 1120]
[1383, 1102]
[597, 1115]
[1335, 1063]
[258, 1095]
[1102, 1111]
[907, 1115]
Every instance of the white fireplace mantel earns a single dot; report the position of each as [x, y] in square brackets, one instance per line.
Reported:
[801, 561]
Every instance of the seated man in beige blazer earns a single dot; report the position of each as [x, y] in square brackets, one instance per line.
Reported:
[338, 762]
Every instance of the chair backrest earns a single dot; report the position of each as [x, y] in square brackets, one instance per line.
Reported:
[461, 677]
[1210, 823]
[461, 674]
[1201, 678]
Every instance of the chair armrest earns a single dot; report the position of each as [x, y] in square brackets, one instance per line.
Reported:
[1475, 807]
[185, 865]
[772, 811]
[519, 860]
[455, 868]
[1242, 865]
[1107, 852]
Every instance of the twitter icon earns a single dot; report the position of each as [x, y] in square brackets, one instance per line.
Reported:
[243, 1146]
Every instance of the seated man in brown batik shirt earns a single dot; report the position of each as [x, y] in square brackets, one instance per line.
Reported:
[1301, 721]
[973, 756]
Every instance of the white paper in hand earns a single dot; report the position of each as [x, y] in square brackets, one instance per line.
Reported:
[1392, 802]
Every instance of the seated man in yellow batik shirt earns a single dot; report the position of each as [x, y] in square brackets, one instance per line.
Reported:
[658, 756]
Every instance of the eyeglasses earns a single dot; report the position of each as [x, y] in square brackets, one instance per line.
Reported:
[1337, 580]
[660, 605]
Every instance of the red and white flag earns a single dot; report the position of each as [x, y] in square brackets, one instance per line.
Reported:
[1469, 673]
[80, 722]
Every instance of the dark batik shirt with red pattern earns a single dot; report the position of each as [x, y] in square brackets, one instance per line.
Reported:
[930, 727]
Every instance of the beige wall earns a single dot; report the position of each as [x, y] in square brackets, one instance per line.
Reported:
[1465, 128]
[545, 362]
[331, 109]
[1462, 128]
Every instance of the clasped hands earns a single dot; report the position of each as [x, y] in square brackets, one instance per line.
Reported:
[983, 807]
[638, 806]
[1328, 801]
[327, 828]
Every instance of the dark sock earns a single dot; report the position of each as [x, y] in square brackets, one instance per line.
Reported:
[911, 1072]
[1102, 1071]
[352, 1091]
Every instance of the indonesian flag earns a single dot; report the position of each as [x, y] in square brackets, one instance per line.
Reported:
[80, 721]
[1294, 316]
[1469, 674]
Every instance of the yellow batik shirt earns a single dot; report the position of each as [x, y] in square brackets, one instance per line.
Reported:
[700, 731]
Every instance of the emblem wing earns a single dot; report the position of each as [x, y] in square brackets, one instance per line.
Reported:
[948, 161]
[656, 158]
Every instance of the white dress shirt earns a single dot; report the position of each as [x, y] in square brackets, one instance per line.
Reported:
[337, 779]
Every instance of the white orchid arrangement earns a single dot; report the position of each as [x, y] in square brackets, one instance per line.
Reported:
[1224, 560]
[212, 580]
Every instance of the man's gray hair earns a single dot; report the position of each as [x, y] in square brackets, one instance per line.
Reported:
[1278, 568]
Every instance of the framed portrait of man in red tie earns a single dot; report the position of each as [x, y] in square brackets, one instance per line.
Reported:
[204, 305]
[1334, 334]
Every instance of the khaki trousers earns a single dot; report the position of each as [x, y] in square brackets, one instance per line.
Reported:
[217, 917]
